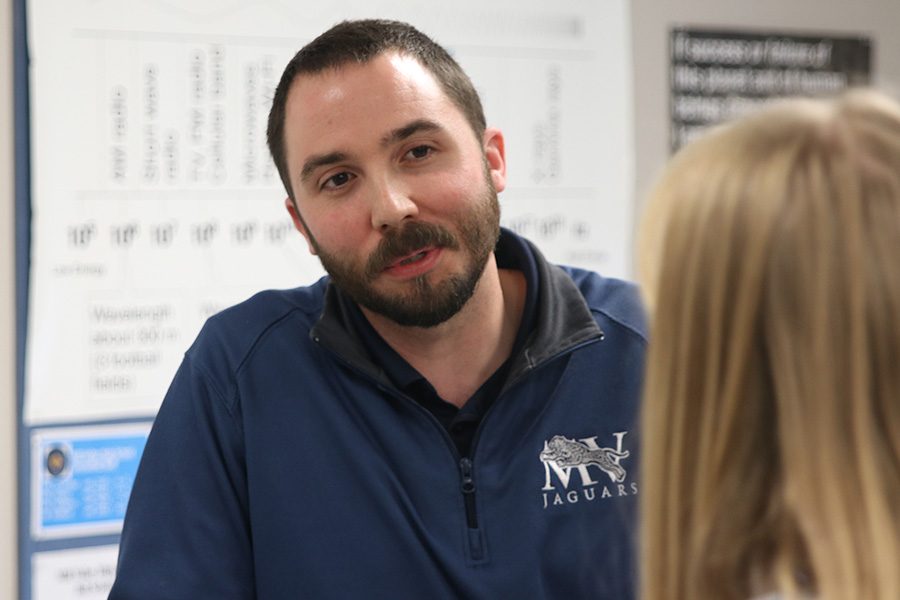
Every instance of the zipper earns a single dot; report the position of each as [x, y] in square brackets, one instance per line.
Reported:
[467, 487]
[473, 533]
[474, 539]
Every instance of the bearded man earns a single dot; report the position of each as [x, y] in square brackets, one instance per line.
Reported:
[383, 432]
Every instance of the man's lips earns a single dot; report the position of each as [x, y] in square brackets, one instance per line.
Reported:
[415, 263]
[410, 258]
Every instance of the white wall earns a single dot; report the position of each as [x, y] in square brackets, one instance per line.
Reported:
[8, 520]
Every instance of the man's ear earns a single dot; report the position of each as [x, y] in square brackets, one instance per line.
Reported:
[299, 225]
[495, 154]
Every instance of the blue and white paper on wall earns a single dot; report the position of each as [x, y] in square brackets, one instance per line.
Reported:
[81, 479]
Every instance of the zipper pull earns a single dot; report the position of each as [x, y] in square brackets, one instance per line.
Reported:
[466, 484]
[467, 487]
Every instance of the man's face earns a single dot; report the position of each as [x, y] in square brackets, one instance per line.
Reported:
[395, 194]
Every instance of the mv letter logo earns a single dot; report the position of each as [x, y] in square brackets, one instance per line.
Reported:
[563, 456]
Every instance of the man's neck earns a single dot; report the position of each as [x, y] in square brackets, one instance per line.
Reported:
[459, 355]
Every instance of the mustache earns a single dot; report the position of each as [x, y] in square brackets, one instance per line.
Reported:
[398, 243]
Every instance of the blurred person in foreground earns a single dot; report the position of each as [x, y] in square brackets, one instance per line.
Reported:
[770, 256]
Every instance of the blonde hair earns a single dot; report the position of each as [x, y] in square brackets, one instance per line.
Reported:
[770, 259]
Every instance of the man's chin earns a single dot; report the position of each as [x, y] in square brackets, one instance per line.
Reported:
[407, 313]
[421, 304]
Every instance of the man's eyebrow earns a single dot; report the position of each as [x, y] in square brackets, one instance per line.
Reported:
[401, 133]
[319, 160]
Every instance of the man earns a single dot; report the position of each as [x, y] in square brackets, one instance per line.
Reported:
[446, 415]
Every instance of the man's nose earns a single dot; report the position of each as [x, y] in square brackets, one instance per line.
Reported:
[391, 204]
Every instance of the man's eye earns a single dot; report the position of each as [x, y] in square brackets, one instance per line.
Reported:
[419, 152]
[338, 180]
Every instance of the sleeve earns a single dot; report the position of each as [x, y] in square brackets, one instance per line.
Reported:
[186, 531]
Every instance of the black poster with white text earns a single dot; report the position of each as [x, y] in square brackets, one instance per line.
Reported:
[719, 75]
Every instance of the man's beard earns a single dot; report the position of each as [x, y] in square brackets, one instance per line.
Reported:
[424, 304]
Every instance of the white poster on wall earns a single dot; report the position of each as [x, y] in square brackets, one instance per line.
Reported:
[79, 574]
[156, 204]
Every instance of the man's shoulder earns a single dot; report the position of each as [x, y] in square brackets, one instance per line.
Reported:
[267, 306]
[233, 333]
[616, 299]
[610, 300]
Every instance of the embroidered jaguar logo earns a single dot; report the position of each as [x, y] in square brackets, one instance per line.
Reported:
[572, 453]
